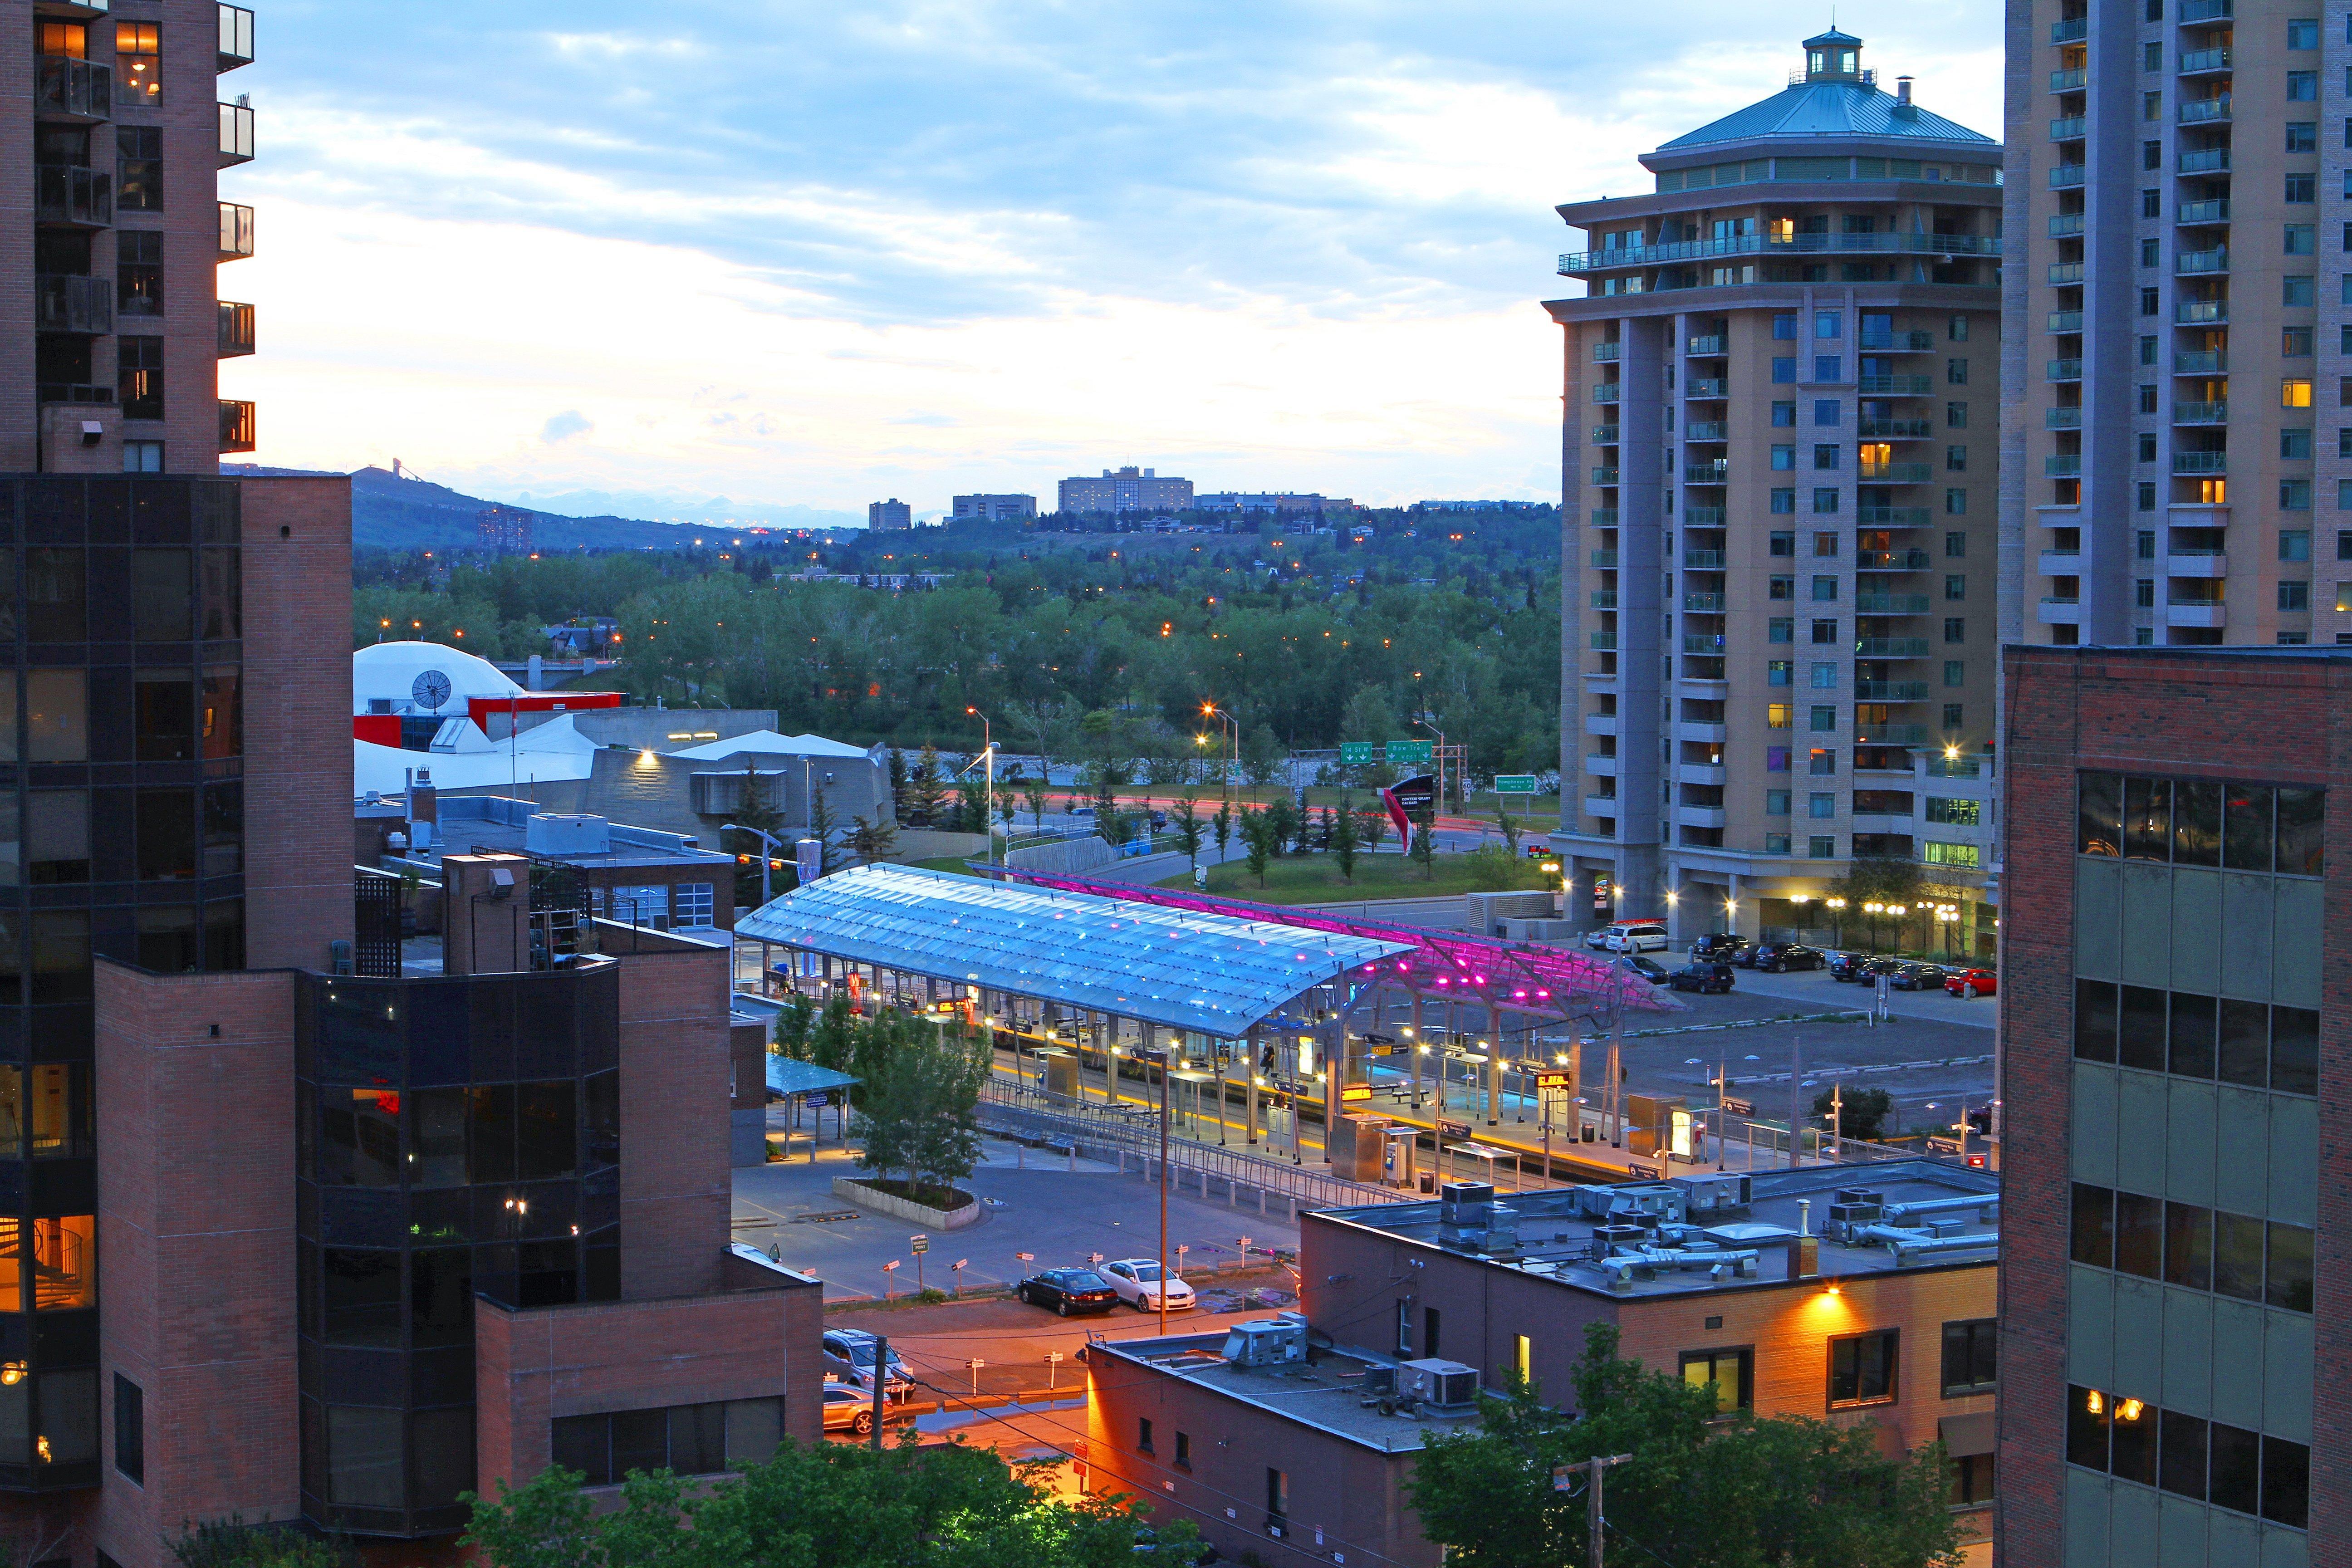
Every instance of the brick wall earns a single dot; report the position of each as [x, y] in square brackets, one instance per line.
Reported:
[297, 758]
[675, 1181]
[196, 1198]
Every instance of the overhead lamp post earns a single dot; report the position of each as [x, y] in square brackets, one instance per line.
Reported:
[988, 756]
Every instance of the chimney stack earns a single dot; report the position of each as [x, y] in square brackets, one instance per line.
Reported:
[1903, 90]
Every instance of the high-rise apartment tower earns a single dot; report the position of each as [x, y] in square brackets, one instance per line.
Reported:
[1779, 518]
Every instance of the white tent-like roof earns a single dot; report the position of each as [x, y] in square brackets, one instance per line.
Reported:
[769, 740]
[412, 675]
[546, 754]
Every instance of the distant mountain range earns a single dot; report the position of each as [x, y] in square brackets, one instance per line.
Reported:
[392, 512]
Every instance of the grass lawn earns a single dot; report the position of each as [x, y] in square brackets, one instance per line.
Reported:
[1315, 879]
[950, 863]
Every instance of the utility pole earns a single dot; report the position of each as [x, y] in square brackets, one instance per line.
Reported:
[1796, 1092]
[1152, 1035]
[881, 1383]
[1594, 1518]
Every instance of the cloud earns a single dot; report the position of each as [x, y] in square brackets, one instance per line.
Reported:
[565, 426]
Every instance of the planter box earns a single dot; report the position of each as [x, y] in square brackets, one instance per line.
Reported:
[856, 1189]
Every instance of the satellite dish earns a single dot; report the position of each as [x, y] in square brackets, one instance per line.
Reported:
[431, 689]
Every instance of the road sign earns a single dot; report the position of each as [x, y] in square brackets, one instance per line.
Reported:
[1739, 1107]
[1027, 1257]
[1411, 750]
[889, 1266]
[1943, 1145]
[1514, 784]
[1453, 1129]
[817, 1100]
[1358, 753]
[918, 1244]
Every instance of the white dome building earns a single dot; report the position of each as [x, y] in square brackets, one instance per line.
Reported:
[420, 678]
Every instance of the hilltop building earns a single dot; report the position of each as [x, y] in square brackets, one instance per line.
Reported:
[1125, 491]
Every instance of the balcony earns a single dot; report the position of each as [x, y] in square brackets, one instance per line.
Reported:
[1890, 691]
[1717, 473]
[1604, 598]
[236, 134]
[235, 45]
[85, 8]
[2065, 321]
[2069, 80]
[2201, 361]
[237, 426]
[2191, 261]
[1882, 733]
[1703, 560]
[1702, 642]
[1604, 476]
[2066, 176]
[2201, 462]
[2059, 610]
[2200, 62]
[1701, 517]
[71, 304]
[2205, 111]
[1893, 473]
[1605, 435]
[1710, 774]
[2210, 613]
[2201, 414]
[1890, 603]
[2072, 30]
[1600, 806]
[1702, 604]
[1606, 392]
[2065, 466]
[2205, 161]
[2062, 418]
[1891, 561]
[1605, 642]
[1601, 723]
[2074, 128]
[234, 329]
[2060, 563]
[2197, 564]
[1897, 342]
[2065, 226]
[2212, 209]
[1711, 344]
[73, 391]
[1891, 516]
[1707, 386]
[2063, 273]
[2206, 10]
[1697, 729]
[1603, 765]
[77, 198]
[65, 88]
[1604, 560]
[1898, 430]
[1890, 648]
[1699, 815]
[236, 232]
[1893, 385]
[1704, 431]
[2065, 370]
[1605, 353]
[1604, 517]
[1901, 242]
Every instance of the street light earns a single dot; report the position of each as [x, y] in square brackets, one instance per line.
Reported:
[988, 755]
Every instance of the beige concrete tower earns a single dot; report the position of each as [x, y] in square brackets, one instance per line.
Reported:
[1778, 515]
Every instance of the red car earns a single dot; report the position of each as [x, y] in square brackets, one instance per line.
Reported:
[1971, 983]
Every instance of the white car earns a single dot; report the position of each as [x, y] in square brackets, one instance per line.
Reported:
[1136, 1280]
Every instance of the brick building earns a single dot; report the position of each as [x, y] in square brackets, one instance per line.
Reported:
[1124, 490]
[2171, 1083]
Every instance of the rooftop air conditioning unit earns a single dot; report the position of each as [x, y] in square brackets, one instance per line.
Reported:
[1442, 1385]
[561, 834]
[1380, 1380]
[1265, 1341]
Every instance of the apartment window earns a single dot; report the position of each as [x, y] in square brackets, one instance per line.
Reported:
[2149, 252]
[2151, 154]
[2301, 239]
[1405, 1327]
[2143, 594]
[1955, 373]
[1953, 811]
[139, 272]
[1776, 758]
[1956, 459]
[694, 904]
[1784, 327]
[2296, 289]
[139, 371]
[2147, 398]
[1826, 590]
[1863, 1369]
[1777, 715]
[1780, 588]
[1821, 804]
[129, 1430]
[1820, 847]
[1956, 544]
[2151, 107]
[2151, 302]
[1784, 502]
[2302, 136]
[1825, 634]
[1956, 628]
[1822, 763]
[1784, 458]
[1955, 501]
[1784, 371]
[1781, 629]
[2147, 351]
[1955, 330]
[1824, 719]
[1829, 324]
[2151, 204]
[1780, 672]
[1825, 503]
[1732, 1371]
[1956, 416]
[1824, 677]
[1825, 411]
[2294, 343]
[2294, 393]
[2302, 187]
[2145, 499]
[1784, 414]
[2151, 57]
[138, 76]
[2303, 32]
[1956, 586]
[2295, 596]
[1971, 1355]
[1956, 672]
[2302, 87]
[142, 456]
[1775, 803]
[1775, 844]
[1183, 1450]
[1826, 456]
[1277, 1494]
[1143, 1435]
[1828, 367]
[1951, 715]
[138, 168]
[2145, 446]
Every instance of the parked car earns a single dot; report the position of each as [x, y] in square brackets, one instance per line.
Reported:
[1779, 957]
[849, 1358]
[1701, 977]
[1628, 936]
[1917, 976]
[1649, 969]
[1720, 945]
[1849, 965]
[848, 1409]
[1068, 1290]
[1971, 983]
[1137, 1281]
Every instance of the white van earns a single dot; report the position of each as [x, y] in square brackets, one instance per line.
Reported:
[1628, 936]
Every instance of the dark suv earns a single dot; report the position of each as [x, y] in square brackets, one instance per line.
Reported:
[1717, 947]
[1779, 957]
[1703, 976]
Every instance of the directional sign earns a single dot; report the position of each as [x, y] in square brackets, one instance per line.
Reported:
[1411, 750]
[918, 1244]
[1358, 753]
[1514, 784]
[817, 1098]
[1739, 1107]
[1453, 1129]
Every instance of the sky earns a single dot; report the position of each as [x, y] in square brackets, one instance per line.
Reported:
[821, 254]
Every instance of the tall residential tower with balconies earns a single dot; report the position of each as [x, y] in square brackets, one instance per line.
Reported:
[1779, 513]
[2181, 477]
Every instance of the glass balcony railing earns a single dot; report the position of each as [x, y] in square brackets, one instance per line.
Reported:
[2200, 312]
[1606, 354]
[1605, 435]
[2065, 321]
[1891, 561]
[1898, 429]
[1895, 473]
[1704, 431]
[2201, 361]
[236, 45]
[1604, 476]
[2215, 209]
[236, 232]
[2071, 31]
[72, 303]
[1890, 603]
[2063, 273]
[1900, 242]
[1604, 598]
[2201, 462]
[2214, 260]
[1701, 517]
[1604, 560]
[2065, 370]
[2217, 413]
[1890, 690]
[2074, 127]
[1892, 516]
[1702, 604]
[1893, 385]
[1605, 642]
[2207, 10]
[65, 87]
[2065, 466]
[234, 332]
[81, 197]
[236, 134]
[1703, 560]
[2069, 80]
[1606, 392]
[2205, 161]
[2205, 111]
[237, 426]
[2065, 176]
[1897, 342]
[1707, 473]
[2065, 225]
[1890, 648]
[1712, 343]
[1604, 517]
[2062, 418]
[2197, 62]
[1707, 386]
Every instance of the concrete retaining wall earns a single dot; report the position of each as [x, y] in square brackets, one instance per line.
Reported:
[880, 1202]
[1065, 858]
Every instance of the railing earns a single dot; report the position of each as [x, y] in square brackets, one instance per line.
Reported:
[2196, 60]
[2062, 418]
[1711, 344]
[2213, 209]
[1893, 385]
[1604, 476]
[2200, 312]
[236, 232]
[1702, 604]
[2201, 414]
[72, 89]
[2073, 81]
[2205, 161]
[236, 134]
[64, 302]
[1906, 429]
[1890, 603]
[1702, 642]
[1707, 386]
[1604, 598]
[1895, 473]
[1897, 342]
[2071, 30]
[235, 48]
[2065, 466]
[1884, 735]
[1892, 516]
[2205, 111]
[1707, 473]
[1890, 648]
[1890, 690]
[1703, 560]
[1605, 642]
[1891, 561]
[1701, 517]
[2065, 370]
[1606, 392]
[2065, 321]
[2074, 127]
[237, 426]
[1901, 242]
[1605, 353]
[1604, 560]
[2065, 176]
[2214, 260]
[1704, 431]
[83, 197]
[1953, 767]
[2063, 224]
[235, 329]
[1605, 435]
[2063, 273]
[2207, 10]
[2200, 361]
[2201, 462]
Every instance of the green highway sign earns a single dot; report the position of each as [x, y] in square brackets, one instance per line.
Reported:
[1358, 753]
[1514, 784]
[1412, 751]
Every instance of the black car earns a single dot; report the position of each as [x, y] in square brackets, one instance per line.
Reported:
[1068, 1290]
[1648, 969]
[1779, 957]
[1848, 966]
[1701, 977]
[1917, 978]
[1717, 947]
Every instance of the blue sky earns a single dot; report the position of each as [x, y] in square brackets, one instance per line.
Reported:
[818, 254]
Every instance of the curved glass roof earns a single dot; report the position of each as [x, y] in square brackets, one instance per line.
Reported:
[1183, 969]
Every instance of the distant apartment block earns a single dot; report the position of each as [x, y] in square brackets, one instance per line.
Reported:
[1272, 501]
[504, 531]
[995, 509]
[1478, 506]
[891, 513]
[1126, 489]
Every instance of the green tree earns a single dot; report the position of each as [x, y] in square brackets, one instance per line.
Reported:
[1344, 840]
[1863, 1114]
[1258, 840]
[1282, 823]
[1033, 797]
[1708, 1486]
[1224, 822]
[1492, 868]
[231, 1542]
[1186, 817]
[1373, 825]
[1425, 846]
[755, 809]
[927, 786]
[920, 1112]
[872, 841]
[898, 786]
[1262, 755]
[1509, 826]
[821, 827]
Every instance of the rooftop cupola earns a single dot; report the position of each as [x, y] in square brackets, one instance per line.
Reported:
[1835, 56]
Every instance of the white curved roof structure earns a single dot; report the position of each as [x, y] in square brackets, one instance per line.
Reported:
[770, 740]
[545, 754]
[423, 678]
